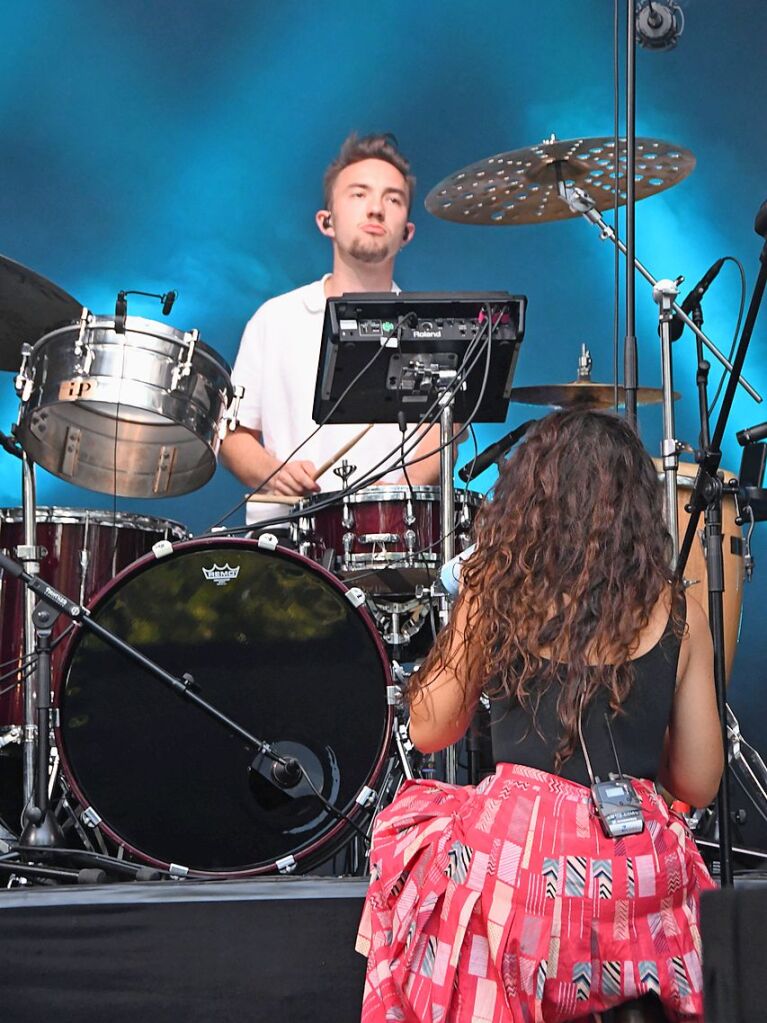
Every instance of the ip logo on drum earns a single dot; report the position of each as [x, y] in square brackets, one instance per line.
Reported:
[221, 576]
[73, 390]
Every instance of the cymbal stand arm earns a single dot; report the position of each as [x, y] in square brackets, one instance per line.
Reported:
[581, 202]
[664, 293]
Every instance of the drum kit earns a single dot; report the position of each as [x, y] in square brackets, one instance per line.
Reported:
[302, 642]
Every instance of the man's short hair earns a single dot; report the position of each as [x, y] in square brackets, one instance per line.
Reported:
[380, 146]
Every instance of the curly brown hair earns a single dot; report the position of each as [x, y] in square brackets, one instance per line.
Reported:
[571, 558]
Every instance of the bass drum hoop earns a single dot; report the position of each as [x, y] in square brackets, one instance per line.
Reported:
[330, 841]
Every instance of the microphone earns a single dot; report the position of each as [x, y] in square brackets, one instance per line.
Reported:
[494, 451]
[760, 224]
[450, 573]
[167, 301]
[287, 772]
[121, 311]
[752, 434]
[695, 295]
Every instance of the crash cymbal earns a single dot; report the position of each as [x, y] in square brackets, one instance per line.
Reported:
[520, 187]
[30, 306]
[583, 394]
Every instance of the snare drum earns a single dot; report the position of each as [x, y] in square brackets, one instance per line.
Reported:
[139, 414]
[82, 551]
[696, 571]
[275, 642]
[384, 527]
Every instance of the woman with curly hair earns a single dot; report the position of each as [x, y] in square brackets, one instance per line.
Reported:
[510, 902]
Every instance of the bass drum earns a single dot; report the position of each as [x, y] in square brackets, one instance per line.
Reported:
[280, 646]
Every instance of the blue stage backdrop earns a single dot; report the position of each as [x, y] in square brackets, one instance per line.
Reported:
[181, 145]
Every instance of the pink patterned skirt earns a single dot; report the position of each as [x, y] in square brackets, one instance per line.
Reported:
[506, 903]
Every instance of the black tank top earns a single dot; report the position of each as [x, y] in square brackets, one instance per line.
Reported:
[638, 732]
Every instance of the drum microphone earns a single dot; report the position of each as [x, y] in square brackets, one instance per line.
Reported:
[167, 301]
[287, 772]
[760, 224]
[695, 295]
[493, 452]
[752, 434]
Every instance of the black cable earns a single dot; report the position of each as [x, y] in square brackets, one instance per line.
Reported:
[723, 377]
[375, 472]
[368, 365]
[616, 207]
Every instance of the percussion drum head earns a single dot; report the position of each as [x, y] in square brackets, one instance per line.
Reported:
[272, 641]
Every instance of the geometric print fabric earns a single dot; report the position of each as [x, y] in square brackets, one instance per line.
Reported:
[506, 903]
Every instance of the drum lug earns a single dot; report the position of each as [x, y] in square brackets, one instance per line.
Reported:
[287, 865]
[348, 542]
[166, 460]
[394, 696]
[177, 870]
[90, 817]
[23, 553]
[22, 382]
[410, 542]
[268, 541]
[230, 419]
[183, 369]
[355, 596]
[71, 451]
[347, 517]
[162, 549]
[367, 797]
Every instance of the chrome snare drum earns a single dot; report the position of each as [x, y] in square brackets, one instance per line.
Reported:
[136, 414]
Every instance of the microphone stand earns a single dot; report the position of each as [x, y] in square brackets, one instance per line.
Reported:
[707, 496]
[630, 357]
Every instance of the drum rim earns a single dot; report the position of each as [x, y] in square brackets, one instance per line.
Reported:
[136, 325]
[387, 492]
[329, 839]
[98, 516]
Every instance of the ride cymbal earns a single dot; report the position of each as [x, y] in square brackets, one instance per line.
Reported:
[521, 187]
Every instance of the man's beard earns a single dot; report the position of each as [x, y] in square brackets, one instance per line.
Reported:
[373, 250]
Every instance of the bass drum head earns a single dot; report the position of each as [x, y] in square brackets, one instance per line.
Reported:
[271, 640]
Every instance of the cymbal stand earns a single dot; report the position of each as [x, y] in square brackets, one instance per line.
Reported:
[30, 554]
[447, 521]
[664, 293]
[707, 494]
[581, 202]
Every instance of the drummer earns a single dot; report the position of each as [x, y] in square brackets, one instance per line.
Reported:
[368, 195]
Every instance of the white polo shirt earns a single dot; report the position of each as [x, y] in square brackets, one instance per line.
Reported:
[277, 365]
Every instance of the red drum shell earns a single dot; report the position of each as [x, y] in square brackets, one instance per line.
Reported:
[84, 550]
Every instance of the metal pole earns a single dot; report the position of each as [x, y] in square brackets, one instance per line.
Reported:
[447, 522]
[630, 358]
[664, 293]
[30, 556]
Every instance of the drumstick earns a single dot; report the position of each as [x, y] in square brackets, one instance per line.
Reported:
[272, 499]
[342, 451]
[284, 499]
